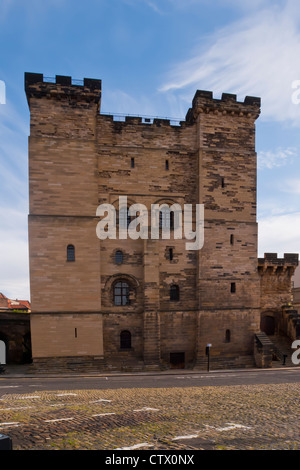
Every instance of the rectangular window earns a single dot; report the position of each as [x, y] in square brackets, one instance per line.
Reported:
[132, 163]
[167, 164]
[232, 287]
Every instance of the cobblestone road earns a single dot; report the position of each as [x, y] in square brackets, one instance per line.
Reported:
[232, 417]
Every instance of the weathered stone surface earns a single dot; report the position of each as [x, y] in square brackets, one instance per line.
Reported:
[79, 159]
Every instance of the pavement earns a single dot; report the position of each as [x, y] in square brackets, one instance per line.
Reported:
[239, 417]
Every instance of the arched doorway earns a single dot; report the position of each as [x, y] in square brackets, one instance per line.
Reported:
[2, 352]
[267, 325]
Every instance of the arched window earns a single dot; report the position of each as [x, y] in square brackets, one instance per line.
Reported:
[227, 336]
[121, 293]
[119, 257]
[123, 217]
[70, 253]
[166, 218]
[174, 292]
[125, 339]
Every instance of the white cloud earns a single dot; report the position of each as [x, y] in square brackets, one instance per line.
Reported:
[279, 234]
[277, 158]
[255, 56]
[14, 270]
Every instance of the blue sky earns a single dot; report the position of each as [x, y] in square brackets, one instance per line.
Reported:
[152, 55]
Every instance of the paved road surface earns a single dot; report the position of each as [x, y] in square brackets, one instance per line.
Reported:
[182, 411]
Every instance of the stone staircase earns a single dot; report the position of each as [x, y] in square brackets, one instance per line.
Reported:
[282, 347]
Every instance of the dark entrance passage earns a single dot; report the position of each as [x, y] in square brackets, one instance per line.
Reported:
[267, 325]
[177, 360]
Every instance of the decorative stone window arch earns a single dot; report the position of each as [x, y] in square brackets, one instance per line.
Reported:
[116, 286]
[121, 293]
[123, 215]
[169, 219]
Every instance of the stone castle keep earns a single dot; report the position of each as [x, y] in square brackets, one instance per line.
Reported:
[146, 303]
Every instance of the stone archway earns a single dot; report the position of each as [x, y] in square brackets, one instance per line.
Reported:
[267, 324]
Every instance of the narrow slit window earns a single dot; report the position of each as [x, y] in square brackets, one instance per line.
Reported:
[232, 287]
[222, 182]
[70, 253]
[132, 162]
[227, 336]
[170, 254]
[174, 292]
[75, 332]
[167, 164]
[231, 239]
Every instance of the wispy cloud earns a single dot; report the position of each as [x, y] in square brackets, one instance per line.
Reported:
[275, 159]
[256, 55]
[292, 185]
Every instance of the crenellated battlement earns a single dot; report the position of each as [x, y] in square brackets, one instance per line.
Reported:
[271, 261]
[89, 90]
[62, 87]
[204, 102]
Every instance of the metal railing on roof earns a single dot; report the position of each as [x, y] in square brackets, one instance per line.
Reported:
[146, 119]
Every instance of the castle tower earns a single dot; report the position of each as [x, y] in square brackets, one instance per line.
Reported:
[63, 194]
[228, 283]
[145, 301]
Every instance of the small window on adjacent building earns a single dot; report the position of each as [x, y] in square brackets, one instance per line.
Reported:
[174, 292]
[227, 336]
[70, 253]
[125, 339]
[119, 257]
[232, 287]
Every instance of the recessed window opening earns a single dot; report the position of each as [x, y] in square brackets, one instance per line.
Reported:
[70, 253]
[125, 339]
[227, 336]
[124, 217]
[132, 162]
[170, 254]
[222, 182]
[174, 292]
[167, 164]
[166, 218]
[119, 257]
[231, 239]
[232, 287]
[75, 332]
[121, 293]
